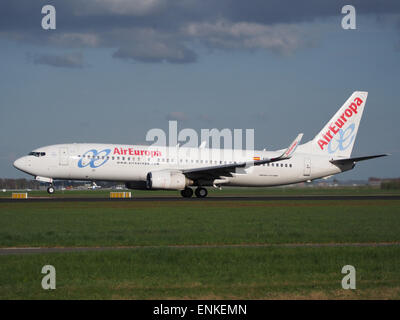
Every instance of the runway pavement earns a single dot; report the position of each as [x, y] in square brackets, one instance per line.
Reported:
[210, 198]
[33, 250]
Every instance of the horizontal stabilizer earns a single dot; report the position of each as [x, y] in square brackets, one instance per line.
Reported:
[351, 160]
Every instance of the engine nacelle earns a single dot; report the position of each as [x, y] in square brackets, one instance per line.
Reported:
[169, 180]
[136, 185]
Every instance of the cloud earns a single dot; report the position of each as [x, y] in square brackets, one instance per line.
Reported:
[223, 34]
[75, 39]
[168, 30]
[71, 60]
[120, 7]
[156, 51]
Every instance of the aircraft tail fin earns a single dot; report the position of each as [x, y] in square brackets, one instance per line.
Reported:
[337, 137]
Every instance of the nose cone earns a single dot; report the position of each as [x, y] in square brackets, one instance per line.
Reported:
[17, 163]
[20, 164]
[24, 164]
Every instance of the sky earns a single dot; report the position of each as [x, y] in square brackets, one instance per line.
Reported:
[114, 69]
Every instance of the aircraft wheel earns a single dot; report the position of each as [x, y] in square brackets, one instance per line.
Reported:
[201, 192]
[50, 190]
[187, 193]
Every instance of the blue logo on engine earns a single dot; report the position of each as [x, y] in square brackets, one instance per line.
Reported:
[94, 158]
[344, 140]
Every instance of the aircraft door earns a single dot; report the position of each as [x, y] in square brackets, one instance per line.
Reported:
[63, 156]
[307, 166]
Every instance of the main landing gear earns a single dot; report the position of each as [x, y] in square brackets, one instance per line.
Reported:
[187, 192]
[50, 189]
[199, 192]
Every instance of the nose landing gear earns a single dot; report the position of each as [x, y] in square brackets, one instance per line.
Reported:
[50, 189]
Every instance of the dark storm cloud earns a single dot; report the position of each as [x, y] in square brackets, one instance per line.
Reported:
[170, 14]
[287, 11]
[160, 30]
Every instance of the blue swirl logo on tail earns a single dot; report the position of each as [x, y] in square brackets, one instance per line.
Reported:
[94, 158]
[344, 139]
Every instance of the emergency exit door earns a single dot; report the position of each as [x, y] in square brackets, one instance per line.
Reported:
[307, 166]
[63, 156]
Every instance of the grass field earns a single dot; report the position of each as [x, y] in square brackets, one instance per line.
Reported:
[220, 222]
[217, 273]
[163, 265]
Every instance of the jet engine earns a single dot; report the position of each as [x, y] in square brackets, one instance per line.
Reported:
[171, 180]
[136, 185]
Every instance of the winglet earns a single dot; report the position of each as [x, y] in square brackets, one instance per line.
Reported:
[291, 149]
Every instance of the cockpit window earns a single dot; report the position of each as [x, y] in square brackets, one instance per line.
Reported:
[37, 154]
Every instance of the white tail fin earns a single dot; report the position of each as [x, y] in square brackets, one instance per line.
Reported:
[337, 137]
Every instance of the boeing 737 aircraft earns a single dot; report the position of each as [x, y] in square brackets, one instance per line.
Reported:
[181, 168]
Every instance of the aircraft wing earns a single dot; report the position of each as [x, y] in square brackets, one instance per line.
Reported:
[226, 170]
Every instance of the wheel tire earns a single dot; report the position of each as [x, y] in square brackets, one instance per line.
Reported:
[50, 190]
[187, 193]
[201, 192]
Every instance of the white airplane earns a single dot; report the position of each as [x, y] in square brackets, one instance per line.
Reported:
[93, 186]
[180, 168]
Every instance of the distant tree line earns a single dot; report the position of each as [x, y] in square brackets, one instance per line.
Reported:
[18, 184]
[35, 185]
[390, 184]
[15, 184]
